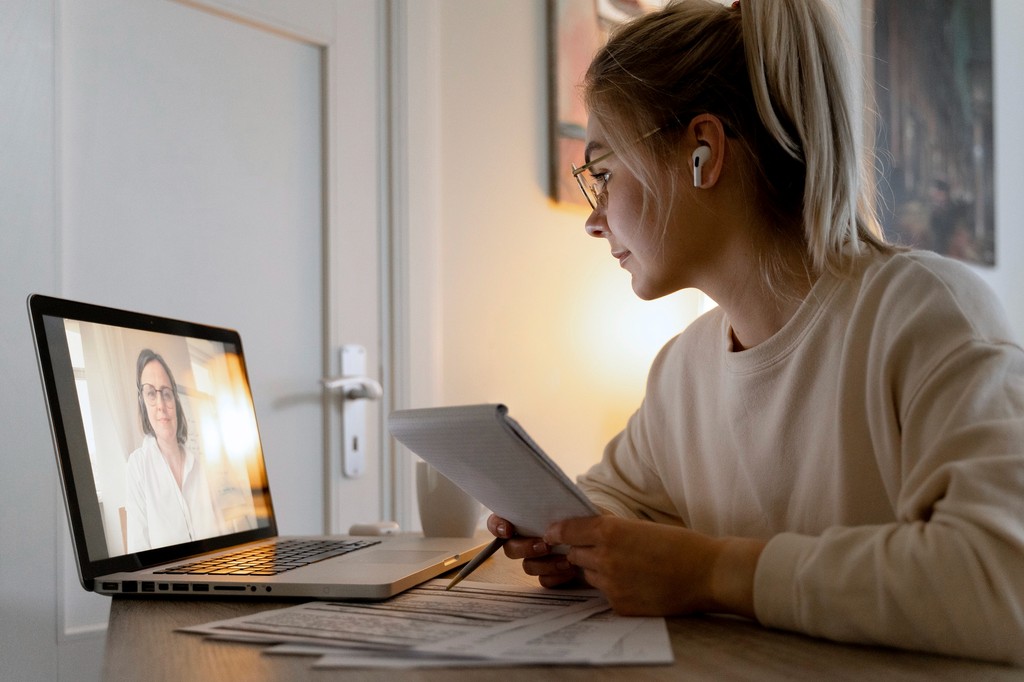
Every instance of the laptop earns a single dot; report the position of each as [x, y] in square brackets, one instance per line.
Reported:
[163, 472]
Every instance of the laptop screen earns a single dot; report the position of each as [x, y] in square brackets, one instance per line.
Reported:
[156, 433]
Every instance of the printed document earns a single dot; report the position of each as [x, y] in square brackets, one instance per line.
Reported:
[475, 624]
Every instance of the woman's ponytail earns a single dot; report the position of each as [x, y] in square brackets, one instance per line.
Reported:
[803, 91]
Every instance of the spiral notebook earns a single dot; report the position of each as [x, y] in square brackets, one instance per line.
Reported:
[490, 456]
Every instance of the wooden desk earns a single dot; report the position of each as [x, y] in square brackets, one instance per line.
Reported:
[142, 645]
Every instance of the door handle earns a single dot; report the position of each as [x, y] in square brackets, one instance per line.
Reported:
[356, 389]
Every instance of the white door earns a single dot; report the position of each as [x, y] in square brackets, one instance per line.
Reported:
[218, 160]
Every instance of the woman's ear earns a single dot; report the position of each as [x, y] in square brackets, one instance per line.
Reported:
[707, 158]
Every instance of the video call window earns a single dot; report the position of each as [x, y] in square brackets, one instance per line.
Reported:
[171, 433]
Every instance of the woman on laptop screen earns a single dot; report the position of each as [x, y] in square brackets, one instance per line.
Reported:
[168, 497]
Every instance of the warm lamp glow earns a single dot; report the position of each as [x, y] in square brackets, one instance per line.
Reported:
[614, 338]
[622, 334]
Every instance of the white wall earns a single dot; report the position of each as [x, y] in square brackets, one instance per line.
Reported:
[1007, 277]
[534, 313]
[28, 475]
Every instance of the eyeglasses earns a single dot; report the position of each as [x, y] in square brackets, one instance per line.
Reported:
[595, 191]
[150, 392]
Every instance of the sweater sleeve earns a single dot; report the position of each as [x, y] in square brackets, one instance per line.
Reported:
[948, 575]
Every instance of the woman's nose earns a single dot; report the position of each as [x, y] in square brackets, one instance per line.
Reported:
[596, 225]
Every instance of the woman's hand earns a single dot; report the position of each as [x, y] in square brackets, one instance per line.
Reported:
[645, 568]
[551, 569]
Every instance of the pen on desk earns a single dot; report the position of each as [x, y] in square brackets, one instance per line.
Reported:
[490, 549]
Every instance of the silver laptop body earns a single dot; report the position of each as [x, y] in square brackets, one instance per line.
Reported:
[134, 532]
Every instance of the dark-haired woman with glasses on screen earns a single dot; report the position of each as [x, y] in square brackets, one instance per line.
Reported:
[168, 497]
[838, 448]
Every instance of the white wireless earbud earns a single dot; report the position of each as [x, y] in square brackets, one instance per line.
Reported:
[700, 157]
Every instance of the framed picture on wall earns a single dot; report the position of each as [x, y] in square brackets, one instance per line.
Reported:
[576, 30]
[931, 63]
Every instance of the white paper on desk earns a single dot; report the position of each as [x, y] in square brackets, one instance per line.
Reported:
[599, 639]
[649, 644]
[499, 642]
[602, 639]
[341, 657]
[513, 625]
[487, 454]
[421, 615]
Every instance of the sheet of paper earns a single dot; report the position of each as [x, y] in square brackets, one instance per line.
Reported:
[335, 657]
[475, 625]
[601, 639]
[509, 640]
[421, 615]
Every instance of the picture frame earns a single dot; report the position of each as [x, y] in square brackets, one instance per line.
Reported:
[576, 30]
[930, 62]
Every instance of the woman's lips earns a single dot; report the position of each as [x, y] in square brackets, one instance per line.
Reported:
[621, 256]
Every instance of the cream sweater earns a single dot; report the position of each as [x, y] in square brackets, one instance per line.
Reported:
[877, 440]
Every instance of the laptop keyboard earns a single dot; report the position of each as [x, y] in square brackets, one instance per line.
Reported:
[284, 555]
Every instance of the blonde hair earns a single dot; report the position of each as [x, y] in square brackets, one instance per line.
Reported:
[775, 73]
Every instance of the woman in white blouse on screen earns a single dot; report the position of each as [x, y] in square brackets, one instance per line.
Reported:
[168, 497]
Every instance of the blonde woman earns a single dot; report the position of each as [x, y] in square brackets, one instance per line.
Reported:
[837, 448]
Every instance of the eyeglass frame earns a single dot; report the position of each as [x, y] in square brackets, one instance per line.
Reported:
[577, 173]
[161, 392]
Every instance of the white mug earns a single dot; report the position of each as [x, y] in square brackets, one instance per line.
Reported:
[445, 510]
